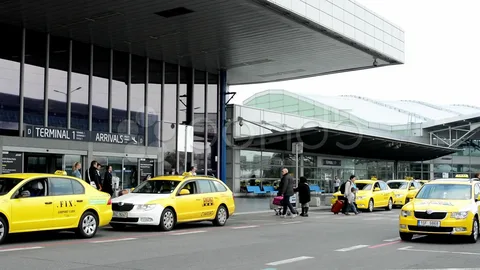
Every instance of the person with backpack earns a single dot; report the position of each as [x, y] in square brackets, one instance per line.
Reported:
[346, 190]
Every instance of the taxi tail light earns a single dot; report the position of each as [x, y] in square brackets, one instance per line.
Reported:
[109, 201]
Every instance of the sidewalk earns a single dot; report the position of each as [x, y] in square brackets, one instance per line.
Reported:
[260, 205]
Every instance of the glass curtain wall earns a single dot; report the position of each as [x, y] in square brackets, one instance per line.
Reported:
[65, 80]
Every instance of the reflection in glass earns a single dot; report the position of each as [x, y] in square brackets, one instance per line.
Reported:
[154, 102]
[58, 82]
[10, 80]
[212, 122]
[79, 91]
[199, 121]
[119, 92]
[137, 96]
[101, 70]
[169, 117]
[35, 60]
[182, 103]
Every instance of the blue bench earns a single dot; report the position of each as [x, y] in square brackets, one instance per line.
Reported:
[255, 190]
[315, 188]
[269, 189]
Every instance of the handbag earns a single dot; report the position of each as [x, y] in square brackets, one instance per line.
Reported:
[277, 200]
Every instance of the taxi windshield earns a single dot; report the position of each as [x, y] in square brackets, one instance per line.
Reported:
[156, 187]
[363, 186]
[398, 185]
[445, 192]
[7, 184]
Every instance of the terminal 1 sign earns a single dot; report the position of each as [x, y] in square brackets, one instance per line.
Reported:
[81, 135]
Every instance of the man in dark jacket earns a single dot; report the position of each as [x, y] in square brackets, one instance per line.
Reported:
[286, 191]
[92, 175]
[303, 190]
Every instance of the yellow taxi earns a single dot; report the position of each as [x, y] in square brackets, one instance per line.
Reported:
[401, 188]
[165, 201]
[445, 206]
[371, 194]
[411, 193]
[32, 202]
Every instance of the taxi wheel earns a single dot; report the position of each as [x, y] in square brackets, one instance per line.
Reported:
[88, 225]
[474, 236]
[3, 230]
[167, 221]
[370, 205]
[406, 236]
[390, 205]
[221, 217]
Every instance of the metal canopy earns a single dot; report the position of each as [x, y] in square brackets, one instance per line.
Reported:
[254, 42]
[340, 143]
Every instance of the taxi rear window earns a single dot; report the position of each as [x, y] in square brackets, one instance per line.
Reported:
[7, 184]
[156, 187]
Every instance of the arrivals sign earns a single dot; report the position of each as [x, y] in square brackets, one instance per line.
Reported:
[81, 135]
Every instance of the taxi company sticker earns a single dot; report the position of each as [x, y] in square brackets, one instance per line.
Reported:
[97, 201]
[208, 201]
[436, 203]
[66, 207]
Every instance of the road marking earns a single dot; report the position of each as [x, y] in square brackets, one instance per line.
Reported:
[409, 248]
[244, 227]
[184, 233]
[385, 244]
[19, 249]
[291, 222]
[392, 240]
[112, 240]
[373, 218]
[292, 260]
[351, 248]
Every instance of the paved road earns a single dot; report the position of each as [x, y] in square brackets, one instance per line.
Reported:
[248, 242]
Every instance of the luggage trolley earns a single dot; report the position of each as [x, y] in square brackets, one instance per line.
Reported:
[276, 205]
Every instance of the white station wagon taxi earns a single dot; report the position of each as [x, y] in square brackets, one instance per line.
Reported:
[168, 200]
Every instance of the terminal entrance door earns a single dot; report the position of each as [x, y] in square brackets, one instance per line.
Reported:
[42, 163]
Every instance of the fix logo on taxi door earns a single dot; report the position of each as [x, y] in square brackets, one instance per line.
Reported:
[207, 201]
[68, 207]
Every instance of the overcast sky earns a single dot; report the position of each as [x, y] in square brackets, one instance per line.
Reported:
[442, 51]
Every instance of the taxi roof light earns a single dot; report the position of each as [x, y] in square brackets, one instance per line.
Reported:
[462, 175]
[60, 172]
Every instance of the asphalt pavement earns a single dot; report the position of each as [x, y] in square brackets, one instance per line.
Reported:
[249, 241]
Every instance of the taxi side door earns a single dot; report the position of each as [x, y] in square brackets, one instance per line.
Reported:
[385, 193]
[378, 196]
[188, 207]
[69, 200]
[33, 212]
[210, 199]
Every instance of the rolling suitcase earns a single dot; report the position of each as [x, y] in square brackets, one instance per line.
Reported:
[337, 207]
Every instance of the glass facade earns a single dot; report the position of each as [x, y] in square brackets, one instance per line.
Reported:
[72, 85]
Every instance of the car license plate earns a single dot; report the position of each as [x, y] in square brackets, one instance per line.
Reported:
[120, 214]
[428, 223]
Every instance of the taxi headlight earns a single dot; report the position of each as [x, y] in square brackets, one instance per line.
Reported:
[145, 207]
[405, 213]
[360, 197]
[459, 215]
[398, 195]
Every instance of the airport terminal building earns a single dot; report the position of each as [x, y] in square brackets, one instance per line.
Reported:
[345, 135]
[144, 86]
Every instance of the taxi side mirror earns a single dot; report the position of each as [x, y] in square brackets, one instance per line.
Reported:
[376, 189]
[184, 192]
[412, 188]
[478, 198]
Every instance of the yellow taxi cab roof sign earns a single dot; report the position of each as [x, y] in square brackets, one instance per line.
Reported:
[408, 178]
[373, 178]
[462, 175]
[60, 172]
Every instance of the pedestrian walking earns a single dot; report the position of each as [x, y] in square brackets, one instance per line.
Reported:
[346, 190]
[286, 184]
[303, 190]
[337, 183]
